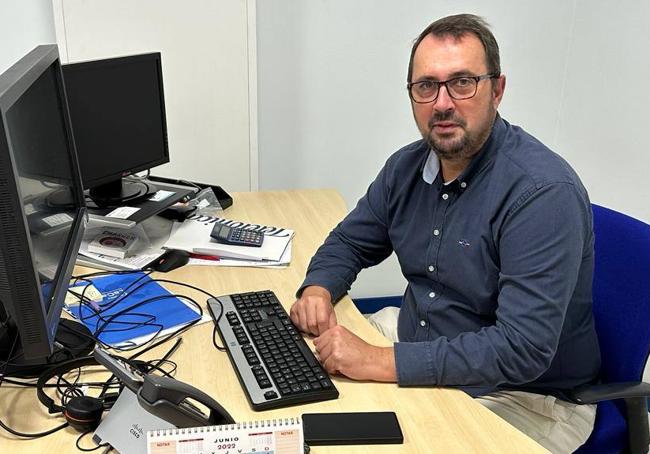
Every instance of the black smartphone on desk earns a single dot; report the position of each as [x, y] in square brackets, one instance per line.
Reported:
[359, 428]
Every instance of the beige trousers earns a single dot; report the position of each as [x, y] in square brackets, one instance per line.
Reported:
[559, 426]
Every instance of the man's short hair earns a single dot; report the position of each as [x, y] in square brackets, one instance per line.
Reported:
[458, 26]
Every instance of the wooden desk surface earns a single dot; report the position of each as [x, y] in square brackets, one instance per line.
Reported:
[432, 419]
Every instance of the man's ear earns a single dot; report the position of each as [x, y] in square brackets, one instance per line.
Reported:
[498, 87]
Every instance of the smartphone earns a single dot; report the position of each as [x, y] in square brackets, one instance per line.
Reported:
[359, 428]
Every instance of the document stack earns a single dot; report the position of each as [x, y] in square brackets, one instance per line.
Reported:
[193, 236]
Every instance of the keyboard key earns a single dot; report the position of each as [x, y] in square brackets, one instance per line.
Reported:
[252, 360]
[307, 354]
[270, 395]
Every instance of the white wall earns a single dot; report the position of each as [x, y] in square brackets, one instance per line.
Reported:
[332, 102]
[603, 120]
[24, 24]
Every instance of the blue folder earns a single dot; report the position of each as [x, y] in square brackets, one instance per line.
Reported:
[167, 310]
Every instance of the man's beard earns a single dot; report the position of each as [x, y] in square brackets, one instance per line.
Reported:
[461, 148]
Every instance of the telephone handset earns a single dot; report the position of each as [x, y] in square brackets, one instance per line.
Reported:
[165, 397]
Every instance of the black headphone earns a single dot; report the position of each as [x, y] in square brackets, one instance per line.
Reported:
[82, 412]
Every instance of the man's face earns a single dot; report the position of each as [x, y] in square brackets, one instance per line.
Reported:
[455, 129]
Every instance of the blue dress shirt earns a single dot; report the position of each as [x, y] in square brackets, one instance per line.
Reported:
[499, 266]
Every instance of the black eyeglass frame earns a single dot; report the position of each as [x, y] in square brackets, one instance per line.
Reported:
[410, 85]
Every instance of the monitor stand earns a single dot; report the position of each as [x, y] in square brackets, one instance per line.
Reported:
[72, 340]
[121, 191]
[112, 194]
[61, 198]
[145, 208]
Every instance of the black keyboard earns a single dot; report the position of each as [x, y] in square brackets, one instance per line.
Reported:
[275, 366]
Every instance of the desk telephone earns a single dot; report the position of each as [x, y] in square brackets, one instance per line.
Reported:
[165, 397]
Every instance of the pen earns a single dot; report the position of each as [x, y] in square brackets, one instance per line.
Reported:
[204, 257]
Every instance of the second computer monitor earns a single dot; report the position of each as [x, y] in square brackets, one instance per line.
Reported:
[117, 110]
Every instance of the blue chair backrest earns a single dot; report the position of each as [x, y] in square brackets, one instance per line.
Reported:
[621, 294]
[622, 316]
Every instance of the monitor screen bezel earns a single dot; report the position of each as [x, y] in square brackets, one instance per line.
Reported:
[98, 65]
[31, 322]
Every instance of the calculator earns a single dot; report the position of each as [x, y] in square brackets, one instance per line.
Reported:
[236, 236]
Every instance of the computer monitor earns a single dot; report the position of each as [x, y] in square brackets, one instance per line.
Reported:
[117, 109]
[38, 241]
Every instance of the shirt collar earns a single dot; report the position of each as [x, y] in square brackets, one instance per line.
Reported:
[431, 166]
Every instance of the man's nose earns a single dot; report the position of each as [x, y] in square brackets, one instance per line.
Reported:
[443, 102]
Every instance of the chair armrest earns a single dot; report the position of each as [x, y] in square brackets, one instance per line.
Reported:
[635, 395]
[597, 393]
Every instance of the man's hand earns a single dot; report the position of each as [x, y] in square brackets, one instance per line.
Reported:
[342, 352]
[313, 313]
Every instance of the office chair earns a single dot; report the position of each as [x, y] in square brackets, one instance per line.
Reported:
[621, 292]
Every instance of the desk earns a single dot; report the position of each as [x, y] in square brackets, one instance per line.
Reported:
[432, 419]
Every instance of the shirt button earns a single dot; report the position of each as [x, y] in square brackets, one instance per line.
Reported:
[463, 185]
[436, 232]
[432, 268]
[432, 295]
[445, 196]
[423, 323]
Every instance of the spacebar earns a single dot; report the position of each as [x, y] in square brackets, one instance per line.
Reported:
[307, 353]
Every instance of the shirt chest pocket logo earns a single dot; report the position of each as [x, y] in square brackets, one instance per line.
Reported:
[464, 243]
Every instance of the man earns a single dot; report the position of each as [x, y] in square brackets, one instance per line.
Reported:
[493, 232]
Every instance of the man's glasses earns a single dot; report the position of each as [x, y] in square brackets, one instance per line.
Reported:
[463, 87]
